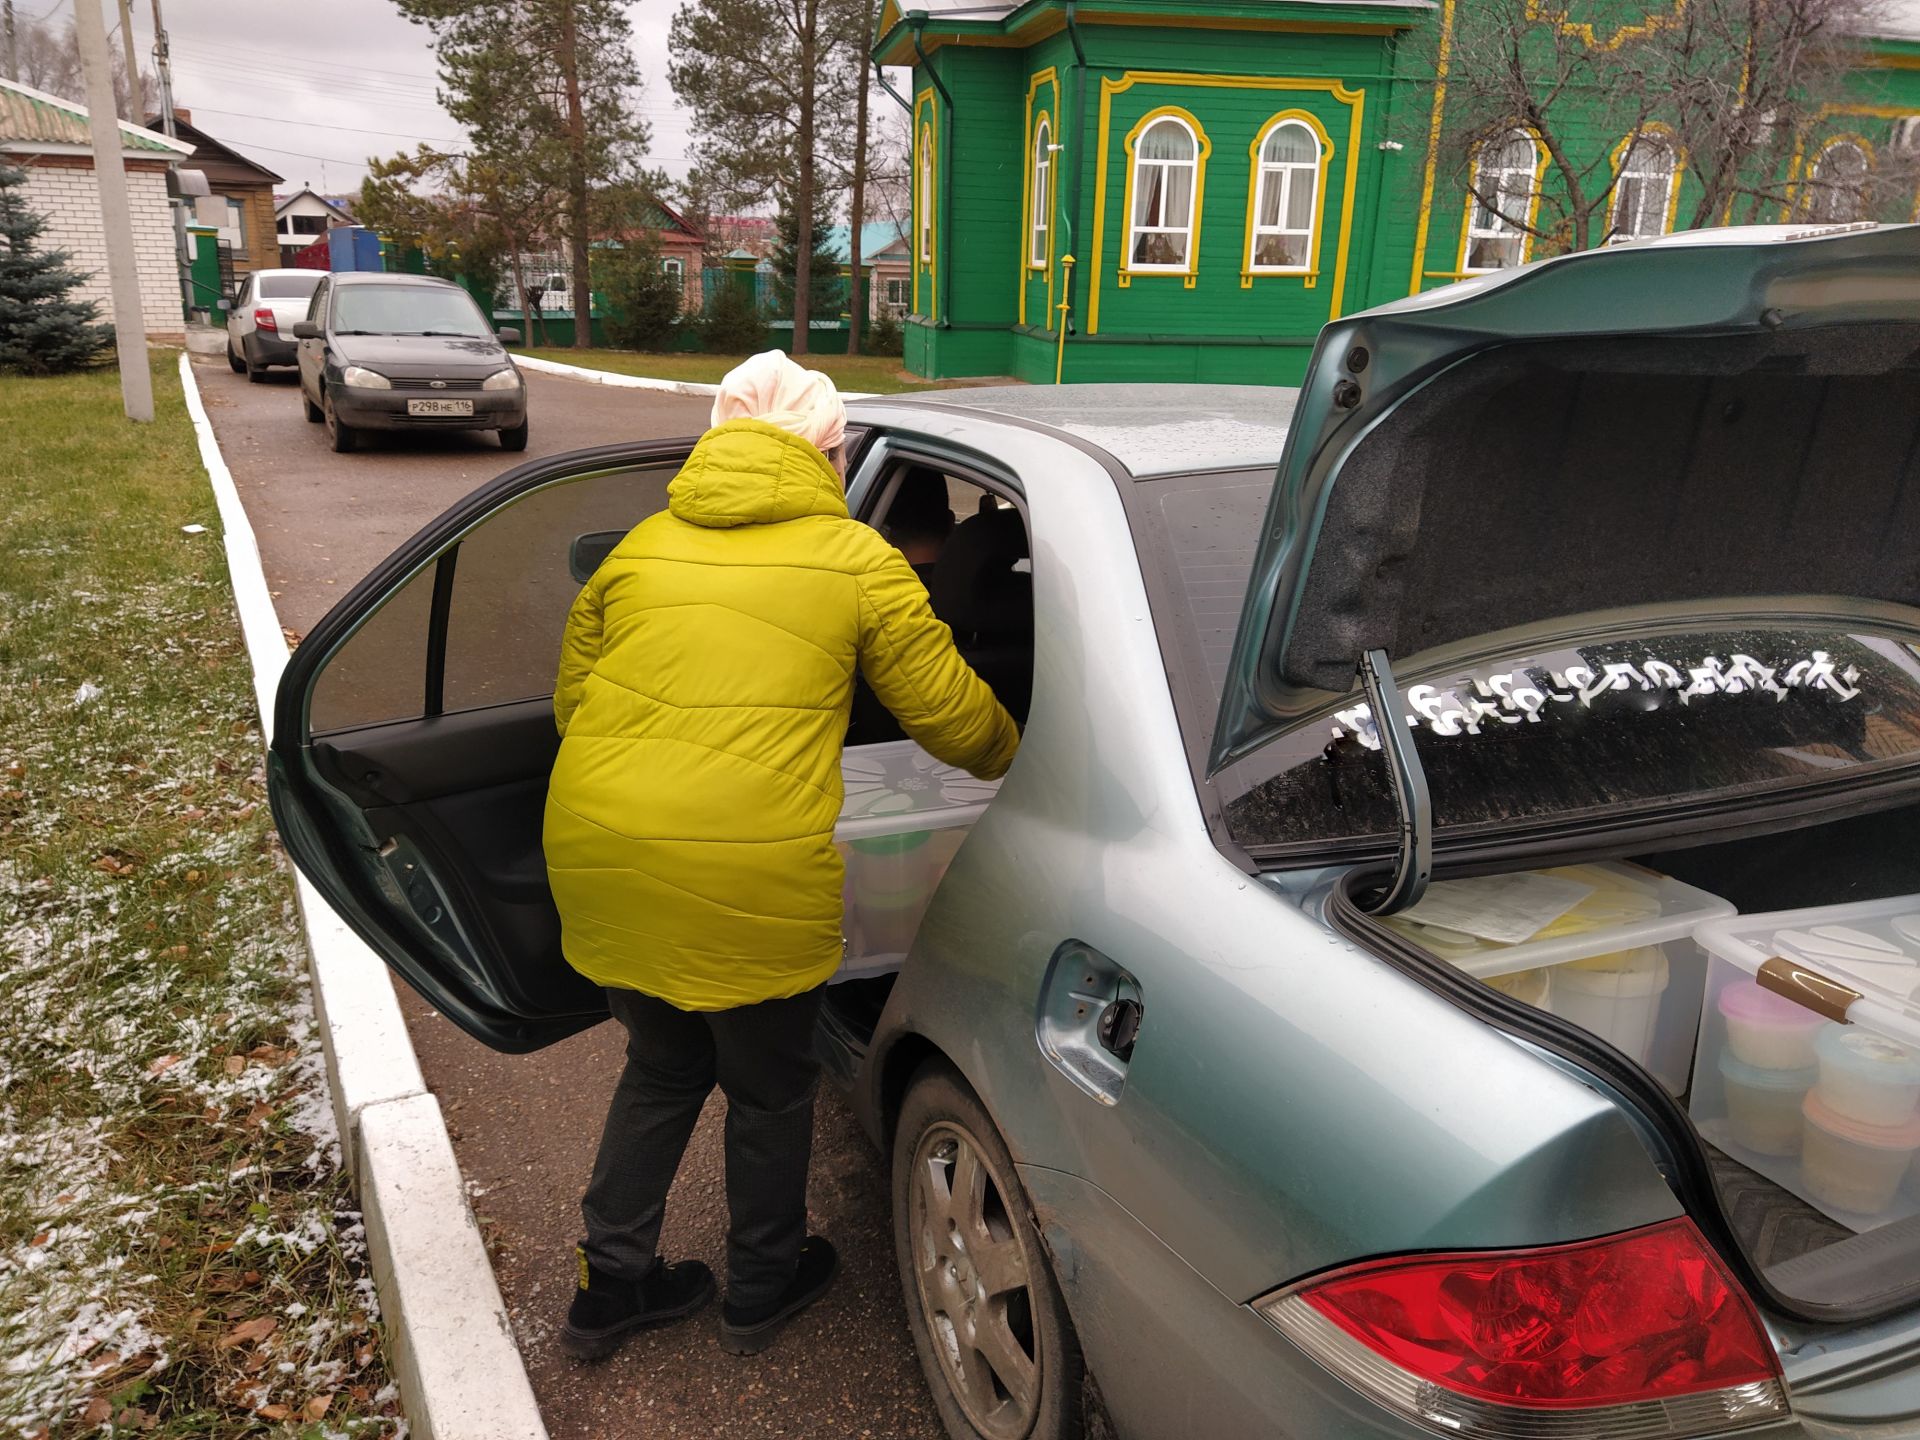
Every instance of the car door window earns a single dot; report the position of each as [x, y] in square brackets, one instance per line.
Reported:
[317, 307]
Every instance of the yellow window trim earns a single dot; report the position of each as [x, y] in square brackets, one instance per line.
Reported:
[1110, 86]
[1619, 158]
[1538, 12]
[1047, 77]
[1310, 272]
[924, 194]
[1202, 148]
[1799, 172]
[1540, 159]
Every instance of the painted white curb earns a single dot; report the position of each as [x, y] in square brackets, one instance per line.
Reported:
[636, 382]
[461, 1376]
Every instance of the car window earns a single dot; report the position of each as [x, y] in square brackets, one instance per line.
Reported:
[507, 593]
[244, 296]
[408, 310]
[288, 287]
[317, 307]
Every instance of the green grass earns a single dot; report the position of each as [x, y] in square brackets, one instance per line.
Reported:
[179, 1254]
[869, 374]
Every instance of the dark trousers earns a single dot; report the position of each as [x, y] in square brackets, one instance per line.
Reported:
[761, 1056]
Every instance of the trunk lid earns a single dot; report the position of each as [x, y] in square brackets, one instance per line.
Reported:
[1703, 428]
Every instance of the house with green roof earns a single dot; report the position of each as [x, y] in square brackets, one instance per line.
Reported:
[1190, 189]
[50, 138]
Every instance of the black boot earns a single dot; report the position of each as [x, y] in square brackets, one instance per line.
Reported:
[606, 1309]
[749, 1331]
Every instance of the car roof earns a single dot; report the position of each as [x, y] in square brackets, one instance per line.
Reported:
[1147, 429]
[377, 277]
[291, 270]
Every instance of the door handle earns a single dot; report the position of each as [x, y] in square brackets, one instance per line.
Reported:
[1089, 1019]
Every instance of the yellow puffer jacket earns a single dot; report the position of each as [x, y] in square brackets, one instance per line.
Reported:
[705, 680]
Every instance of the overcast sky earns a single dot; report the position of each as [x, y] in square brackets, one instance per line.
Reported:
[310, 88]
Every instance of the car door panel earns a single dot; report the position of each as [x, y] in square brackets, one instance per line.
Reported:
[415, 734]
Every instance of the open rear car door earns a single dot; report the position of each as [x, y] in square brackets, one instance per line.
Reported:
[414, 734]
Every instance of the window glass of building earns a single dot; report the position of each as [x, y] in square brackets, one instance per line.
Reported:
[1503, 180]
[1643, 196]
[1042, 193]
[1284, 202]
[1839, 191]
[1165, 162]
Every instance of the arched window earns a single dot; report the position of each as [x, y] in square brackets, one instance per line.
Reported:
[1286, 199]
[1502, 203]
[1838, 195]
[1643, 195]
[1166, 164]
[923, 201]
[1040, 196]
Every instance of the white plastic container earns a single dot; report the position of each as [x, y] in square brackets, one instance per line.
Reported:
[1617, 955]
[901, 823]
[1764, 1105]
[1835, 984]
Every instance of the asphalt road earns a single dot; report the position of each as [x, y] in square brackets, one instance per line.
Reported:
[525, 1127]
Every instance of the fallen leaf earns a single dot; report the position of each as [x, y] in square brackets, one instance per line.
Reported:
[42, 1237]
[259, 1115]
[249, 1332]
[99, 1410]
[106, 1360]
[196, 813]
[316, 1408]
[176, 952]
[273, 1412]
[268, 1054]
[165, 1062]
[234, 1064]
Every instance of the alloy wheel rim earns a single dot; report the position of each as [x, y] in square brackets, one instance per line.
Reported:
[972, 1276]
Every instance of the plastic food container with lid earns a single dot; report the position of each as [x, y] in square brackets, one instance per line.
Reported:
[1850, 1167]
[1831, 986]
[1763, 1105]
[902, 819]
[1614, 941]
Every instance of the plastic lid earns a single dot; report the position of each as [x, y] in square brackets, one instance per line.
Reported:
[1904, 1136]
[1872, 1057]
[1755, 1077]
[1745, 1000]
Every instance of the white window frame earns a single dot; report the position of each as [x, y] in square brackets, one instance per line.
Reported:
[675, 266]
[1494, 224]
[1040, 196]
[1821, 196]
[1662, 178]
[1286, 174]
[894, 289]
[1137, 189]
[923, 173]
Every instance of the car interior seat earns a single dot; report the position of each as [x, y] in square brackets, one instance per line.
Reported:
[983, 588]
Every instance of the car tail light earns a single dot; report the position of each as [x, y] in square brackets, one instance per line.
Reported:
[1643, 1333]
[263, 317]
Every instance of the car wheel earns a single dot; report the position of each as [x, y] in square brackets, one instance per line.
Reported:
[987, 1317]
[514, 437]
[234, 362]
[343, 435]
[314, 413]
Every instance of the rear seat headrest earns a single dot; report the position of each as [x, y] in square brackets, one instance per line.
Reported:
[975, 585]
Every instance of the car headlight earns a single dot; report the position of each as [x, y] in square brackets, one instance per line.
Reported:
[361, 378]
[507, 379]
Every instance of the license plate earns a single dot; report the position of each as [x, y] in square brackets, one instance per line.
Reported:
[439, 407]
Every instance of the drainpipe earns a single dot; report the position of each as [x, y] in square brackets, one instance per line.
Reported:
[1079, 149]
[898, 99]
[918, 20]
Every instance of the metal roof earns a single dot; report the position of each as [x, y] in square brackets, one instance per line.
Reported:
[32, 120]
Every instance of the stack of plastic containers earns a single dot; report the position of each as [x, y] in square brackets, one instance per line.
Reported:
[901, 823]
[1607, 947]
[1809, 1060]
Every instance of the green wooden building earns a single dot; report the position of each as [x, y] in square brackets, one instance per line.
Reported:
[1195, 187]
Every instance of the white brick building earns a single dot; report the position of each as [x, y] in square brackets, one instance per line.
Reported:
[50, 139]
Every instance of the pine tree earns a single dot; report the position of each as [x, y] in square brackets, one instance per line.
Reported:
[42, 332]
[824, 295]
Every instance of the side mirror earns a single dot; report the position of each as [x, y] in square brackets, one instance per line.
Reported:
[588, 552]
[305, 330]
[508, 336]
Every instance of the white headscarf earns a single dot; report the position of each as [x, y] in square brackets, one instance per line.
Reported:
[770, 387]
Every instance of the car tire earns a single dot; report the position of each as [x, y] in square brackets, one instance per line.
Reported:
[514, 437]
[314, 413]
[234, 362]
[343, 435]
[995, 1342]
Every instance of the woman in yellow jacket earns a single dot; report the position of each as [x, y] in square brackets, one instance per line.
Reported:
[705, 681]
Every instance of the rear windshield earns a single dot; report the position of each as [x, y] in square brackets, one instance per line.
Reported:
[1628, 722]
[407, 310]
[289, 287]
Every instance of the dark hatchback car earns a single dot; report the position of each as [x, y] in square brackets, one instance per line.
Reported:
[406, 352]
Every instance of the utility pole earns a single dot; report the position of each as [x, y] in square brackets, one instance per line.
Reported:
[136, 106]
[163, 63]
[116, 216]
[11, 38]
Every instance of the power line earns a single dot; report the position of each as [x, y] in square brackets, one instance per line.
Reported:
[318, 125]
[280, 58]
